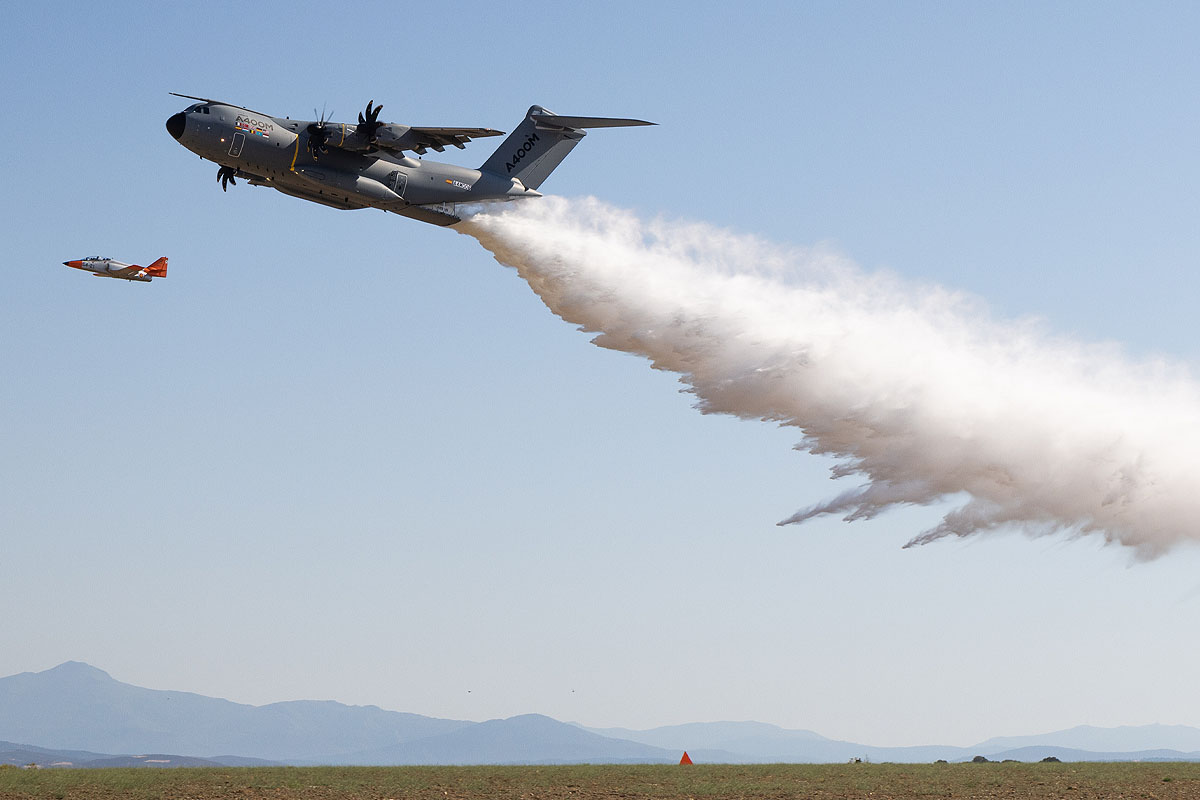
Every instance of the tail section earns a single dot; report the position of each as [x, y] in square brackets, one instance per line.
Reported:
[158, 269]
[541, 142]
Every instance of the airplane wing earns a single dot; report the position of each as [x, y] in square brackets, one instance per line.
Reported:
[133, 273]
[421, 140]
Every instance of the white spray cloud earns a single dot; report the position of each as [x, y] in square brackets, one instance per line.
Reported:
[914, 388]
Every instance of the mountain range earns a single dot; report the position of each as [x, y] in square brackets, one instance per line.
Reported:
[78, 715]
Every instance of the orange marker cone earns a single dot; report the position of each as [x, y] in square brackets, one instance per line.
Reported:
[685, 759]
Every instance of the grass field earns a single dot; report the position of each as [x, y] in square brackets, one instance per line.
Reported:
[775, 781]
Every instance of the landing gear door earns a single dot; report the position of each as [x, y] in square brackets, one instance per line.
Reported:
[235, 149]
[397, 181]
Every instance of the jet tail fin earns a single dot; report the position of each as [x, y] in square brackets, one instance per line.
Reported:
[541, 142]
[158, 269]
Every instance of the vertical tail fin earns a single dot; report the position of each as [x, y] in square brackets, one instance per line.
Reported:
[541, 142]
[158, 269]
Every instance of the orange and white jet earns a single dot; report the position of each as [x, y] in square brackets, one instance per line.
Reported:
[111, 268]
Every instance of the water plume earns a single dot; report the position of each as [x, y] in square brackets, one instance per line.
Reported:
[914, 388]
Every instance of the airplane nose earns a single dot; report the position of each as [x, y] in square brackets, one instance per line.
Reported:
[75, 264]
[175, 124]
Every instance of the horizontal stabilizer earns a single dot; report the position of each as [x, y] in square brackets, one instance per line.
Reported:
[586, 122]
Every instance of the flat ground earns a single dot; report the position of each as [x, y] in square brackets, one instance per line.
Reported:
[775, 781]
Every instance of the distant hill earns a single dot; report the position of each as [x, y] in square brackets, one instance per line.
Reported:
[1127, 738]
[762, 743]
[24, 754]
[527, 739]
[758, 742]
[79, 715]
[78, 707]
[1040, 752]
[156, 760]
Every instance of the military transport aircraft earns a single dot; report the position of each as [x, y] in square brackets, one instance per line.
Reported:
[111, 268]
[366, 165]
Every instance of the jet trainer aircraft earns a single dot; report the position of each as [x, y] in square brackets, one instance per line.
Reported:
[111, 268]
[366, 165]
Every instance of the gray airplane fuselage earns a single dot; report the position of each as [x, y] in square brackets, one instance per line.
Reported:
[367, 166]
[274, 152]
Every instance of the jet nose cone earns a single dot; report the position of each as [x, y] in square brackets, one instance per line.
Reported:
[175, 124]
[75, 264]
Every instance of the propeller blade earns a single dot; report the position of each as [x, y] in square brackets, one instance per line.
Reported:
[225, 176]
[368, 122]
[318, 135]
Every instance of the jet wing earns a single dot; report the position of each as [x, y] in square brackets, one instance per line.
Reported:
[133, 273]
[421, 140]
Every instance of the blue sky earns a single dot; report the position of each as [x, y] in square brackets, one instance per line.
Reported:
[345, 455]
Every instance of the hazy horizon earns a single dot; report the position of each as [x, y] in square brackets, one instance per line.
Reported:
[73, 669]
